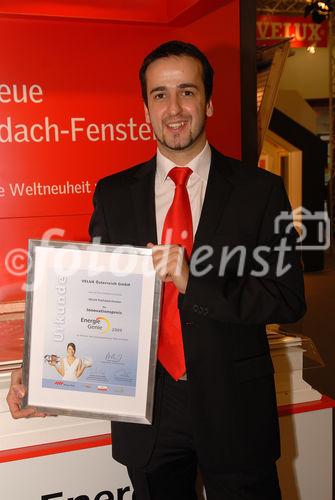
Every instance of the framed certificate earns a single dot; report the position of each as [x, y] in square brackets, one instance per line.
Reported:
[91, 328]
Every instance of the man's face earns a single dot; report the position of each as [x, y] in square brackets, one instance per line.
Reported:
[177, 107]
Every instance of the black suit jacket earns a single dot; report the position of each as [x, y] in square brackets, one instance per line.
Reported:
[224, 310]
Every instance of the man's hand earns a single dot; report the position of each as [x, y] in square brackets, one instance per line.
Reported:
[15, 395]
[170, 264]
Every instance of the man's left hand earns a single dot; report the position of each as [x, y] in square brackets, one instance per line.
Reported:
[170, 264]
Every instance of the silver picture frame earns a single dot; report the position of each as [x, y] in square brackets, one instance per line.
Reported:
[91, 330]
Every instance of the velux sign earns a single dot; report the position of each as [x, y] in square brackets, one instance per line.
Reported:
[303, 30]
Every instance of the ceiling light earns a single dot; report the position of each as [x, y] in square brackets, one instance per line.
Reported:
[319, 10]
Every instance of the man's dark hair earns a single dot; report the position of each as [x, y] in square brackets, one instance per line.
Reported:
[178, 48]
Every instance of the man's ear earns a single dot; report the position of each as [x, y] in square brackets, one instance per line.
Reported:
[209, 108]
[146, 112]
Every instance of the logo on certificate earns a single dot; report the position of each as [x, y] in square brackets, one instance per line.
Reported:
[105, 321]
[100, 323]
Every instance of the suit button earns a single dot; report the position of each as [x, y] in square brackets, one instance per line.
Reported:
[205, 311]
[201, 310]
[189, 323]
[196, 308]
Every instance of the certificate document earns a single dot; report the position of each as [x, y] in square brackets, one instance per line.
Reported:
[91, 330]
[102, 324]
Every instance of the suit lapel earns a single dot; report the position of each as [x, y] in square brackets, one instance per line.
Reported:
[218, 192]
[143, 199]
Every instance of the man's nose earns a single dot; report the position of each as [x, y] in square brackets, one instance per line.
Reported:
[175, 106]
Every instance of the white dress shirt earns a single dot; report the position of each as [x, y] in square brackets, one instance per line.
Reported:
[196, 187]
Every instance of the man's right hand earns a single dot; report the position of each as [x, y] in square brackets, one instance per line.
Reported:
[15, 395]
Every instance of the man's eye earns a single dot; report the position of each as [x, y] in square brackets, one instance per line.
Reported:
[188, 93]
[157, 97]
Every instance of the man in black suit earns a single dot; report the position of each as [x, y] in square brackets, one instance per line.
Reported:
[220, 414]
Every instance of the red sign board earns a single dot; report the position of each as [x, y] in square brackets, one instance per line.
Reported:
[71, 112]
[302, 30]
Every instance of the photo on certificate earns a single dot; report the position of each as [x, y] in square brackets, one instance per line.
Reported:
[91, 330]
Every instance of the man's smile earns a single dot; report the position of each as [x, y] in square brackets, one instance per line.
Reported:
[176, 125]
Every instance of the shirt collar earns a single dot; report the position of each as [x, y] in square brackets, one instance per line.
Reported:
[199, 165]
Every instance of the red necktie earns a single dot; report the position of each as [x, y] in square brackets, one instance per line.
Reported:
[177, 229]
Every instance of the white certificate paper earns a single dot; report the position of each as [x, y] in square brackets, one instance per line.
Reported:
[91, 330]
[101, 317]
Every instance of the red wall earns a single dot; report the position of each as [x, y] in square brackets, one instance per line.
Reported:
[89, 70]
